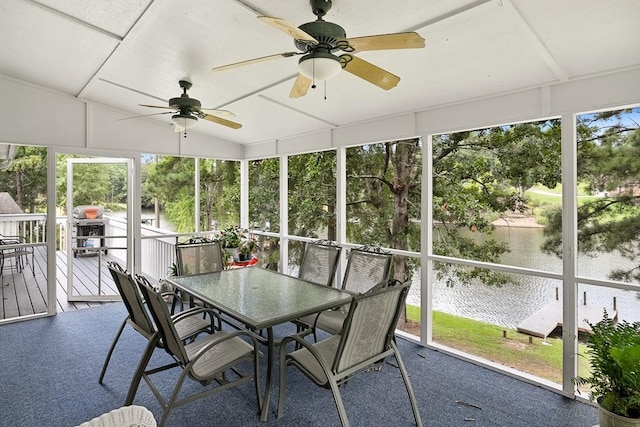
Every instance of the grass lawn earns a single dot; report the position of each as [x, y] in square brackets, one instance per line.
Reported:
[540, 358]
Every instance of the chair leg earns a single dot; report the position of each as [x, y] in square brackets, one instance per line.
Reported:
[142, 364]
[407, 383]
[338, 401]
[174, 396]
[113, 346]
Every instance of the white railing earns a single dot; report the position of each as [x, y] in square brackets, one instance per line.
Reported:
[31, 227]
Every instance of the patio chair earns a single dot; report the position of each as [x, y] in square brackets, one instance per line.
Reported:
[366, 339]
[319, 262]
[208, 360]
[188, 324]
[198, 255]
[368, 267]
[19, 254]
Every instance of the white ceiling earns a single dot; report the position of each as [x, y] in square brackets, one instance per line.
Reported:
[128, 52]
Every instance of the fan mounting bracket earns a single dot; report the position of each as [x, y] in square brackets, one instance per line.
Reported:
[320, 7]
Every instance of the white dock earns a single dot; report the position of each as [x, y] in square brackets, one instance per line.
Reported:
[544, 321]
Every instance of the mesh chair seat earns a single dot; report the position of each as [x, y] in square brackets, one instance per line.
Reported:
[127, 416]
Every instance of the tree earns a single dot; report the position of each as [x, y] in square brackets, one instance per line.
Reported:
[608, 164]
[26, 178]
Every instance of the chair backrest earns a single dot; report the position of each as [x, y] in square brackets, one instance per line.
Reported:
[366, 267]
[369, 326]
[319, 262]
[198, 256]
[160, 312]
[132, 299]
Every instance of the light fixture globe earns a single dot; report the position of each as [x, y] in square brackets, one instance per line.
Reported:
[319, 65]
[184, 121]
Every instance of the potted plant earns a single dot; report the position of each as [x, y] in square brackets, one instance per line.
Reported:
[614, 348]
[248, 246]
[230, 240]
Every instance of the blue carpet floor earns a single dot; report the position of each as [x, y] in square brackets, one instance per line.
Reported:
[49, 377]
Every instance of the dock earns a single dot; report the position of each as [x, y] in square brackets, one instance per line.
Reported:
[545, 321]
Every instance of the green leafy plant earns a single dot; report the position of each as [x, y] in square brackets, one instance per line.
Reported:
[231, 237]
[615, 366]
[249, 245]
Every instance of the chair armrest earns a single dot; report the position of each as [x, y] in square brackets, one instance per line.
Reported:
[214, 316]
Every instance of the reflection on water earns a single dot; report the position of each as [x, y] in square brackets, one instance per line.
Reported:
[510, 304]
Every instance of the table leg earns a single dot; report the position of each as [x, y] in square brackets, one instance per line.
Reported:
[267, 392]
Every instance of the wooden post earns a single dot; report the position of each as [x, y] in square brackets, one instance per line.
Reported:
[585, 298]
[504, 333]
[615, 303]
[530, 339]
[556, 293]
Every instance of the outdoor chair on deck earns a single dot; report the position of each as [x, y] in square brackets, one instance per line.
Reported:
[18, 254]
[367, 267]
[188, 324]
[366, 339]
[207, 360]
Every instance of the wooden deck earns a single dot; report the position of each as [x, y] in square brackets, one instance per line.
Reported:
[24, 294]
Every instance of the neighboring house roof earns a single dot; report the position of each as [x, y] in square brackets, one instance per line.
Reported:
[8, 205]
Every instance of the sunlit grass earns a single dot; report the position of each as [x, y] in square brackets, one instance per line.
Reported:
[539, 357]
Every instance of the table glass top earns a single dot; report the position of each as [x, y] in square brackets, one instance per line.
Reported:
[259, 297]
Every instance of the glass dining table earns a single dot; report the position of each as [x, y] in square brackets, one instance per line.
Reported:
[261, 299]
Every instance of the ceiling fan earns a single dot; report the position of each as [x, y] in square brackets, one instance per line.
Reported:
[186, 111]
[317, 42]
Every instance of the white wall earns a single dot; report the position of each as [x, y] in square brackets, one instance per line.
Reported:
[31, 115]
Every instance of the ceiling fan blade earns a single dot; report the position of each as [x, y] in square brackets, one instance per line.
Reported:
[148, 115]
[225, 113]
[288, 28]
[387, 41]
[156, 106]
[255, 60]
[220, 121]
[371, 73]
[300, 86]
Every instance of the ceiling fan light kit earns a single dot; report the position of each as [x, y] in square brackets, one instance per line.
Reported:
[184, 121]
[319, 66]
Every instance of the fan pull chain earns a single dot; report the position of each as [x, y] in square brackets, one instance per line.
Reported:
[313, 73]
[325, 90]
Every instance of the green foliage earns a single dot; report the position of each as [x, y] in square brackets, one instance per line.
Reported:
[614, 351]
[231, 237]
[26, 178]
[264, 194]
[608, 163]
[171, 180]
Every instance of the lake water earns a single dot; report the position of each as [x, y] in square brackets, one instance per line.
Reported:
[510, 304]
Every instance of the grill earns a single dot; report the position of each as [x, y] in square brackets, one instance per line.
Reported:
[87, 223]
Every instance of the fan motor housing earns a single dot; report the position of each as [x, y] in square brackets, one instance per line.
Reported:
[184, 101]
[327, 34]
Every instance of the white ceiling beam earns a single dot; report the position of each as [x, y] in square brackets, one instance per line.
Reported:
[535, 41]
